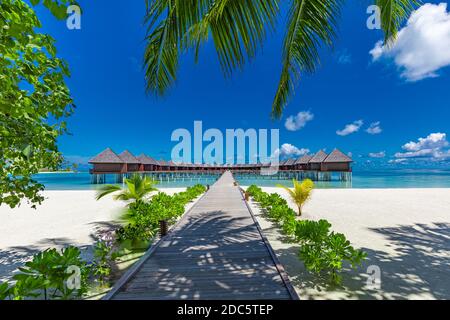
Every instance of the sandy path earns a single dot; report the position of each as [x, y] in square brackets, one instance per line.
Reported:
[406, 232]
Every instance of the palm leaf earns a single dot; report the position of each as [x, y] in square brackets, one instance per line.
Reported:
[237, 27]
[105, 190]
[311, 23]
[393, 14]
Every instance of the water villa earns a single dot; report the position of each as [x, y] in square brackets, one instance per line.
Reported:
[318, 167]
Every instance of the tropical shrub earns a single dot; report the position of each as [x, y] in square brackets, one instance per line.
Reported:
[144, 217]
[136, 188]
[324, 251]
[106, 252]
[51, 274]
[321, 250]
[301, 192]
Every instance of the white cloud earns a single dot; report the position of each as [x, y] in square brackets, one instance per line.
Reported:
[422, 46]
[380, 154]
[374, 128]
[398, 161]
[294, 123]
[288, 149]
[350, 128]
[433, 146]
[433, 141]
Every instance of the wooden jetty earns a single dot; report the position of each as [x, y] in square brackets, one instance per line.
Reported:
[216, 251]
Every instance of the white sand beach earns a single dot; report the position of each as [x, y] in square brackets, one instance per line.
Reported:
[406, 232]
[64, 218]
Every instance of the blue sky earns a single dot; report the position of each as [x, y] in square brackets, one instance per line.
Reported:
[114, 111]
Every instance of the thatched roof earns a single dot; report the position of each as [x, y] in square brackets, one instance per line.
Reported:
[128, 158]
[145, 159]
[163, 163]
[303, 160]
[289, 162]
[106, 156]
[319, 157]
[337, 156]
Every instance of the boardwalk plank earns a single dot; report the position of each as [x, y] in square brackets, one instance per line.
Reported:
[215, 252]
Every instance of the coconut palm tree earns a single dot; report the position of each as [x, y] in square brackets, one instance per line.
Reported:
[136, 188]
[300, 193]
[238, 29]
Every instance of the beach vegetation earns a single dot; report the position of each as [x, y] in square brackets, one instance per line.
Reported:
[143, 218]
[34, 100]
[239, 30]
[300, 193]
[136, 189]
[322, 251]
[51, 274]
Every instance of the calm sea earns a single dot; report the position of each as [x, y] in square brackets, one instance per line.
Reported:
[361, 179]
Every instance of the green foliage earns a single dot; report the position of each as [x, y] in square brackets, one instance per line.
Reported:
[34, 102]
[57, 7]
[106, 252]
[136, 188]
[239, 28]
[47, 275]
[300, 193]
[323, 251]
[143, 217]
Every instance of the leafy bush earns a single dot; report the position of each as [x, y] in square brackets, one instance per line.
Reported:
[322, 251]
[105, 253]
[48, 275]
[325, 251]
[144, 217]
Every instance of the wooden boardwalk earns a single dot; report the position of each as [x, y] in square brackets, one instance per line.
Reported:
[216, 251]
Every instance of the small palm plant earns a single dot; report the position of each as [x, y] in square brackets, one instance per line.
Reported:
[300, 193]
[136, 188]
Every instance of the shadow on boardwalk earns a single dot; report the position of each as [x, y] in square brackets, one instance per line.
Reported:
[194, 263]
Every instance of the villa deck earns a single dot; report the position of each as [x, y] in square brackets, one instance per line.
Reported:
[216, 251]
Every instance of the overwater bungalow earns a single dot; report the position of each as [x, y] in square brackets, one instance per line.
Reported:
[132, 164]
[302, 162]
[320, 166]
[146, 163]
[336, 161]
[315, 163]
[107, 162]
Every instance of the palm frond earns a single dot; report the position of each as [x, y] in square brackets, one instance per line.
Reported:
[393, 14]
[237, 27]
[105, 190]
[162, 50]
[311, 23]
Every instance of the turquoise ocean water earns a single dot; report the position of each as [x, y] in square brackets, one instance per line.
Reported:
[406, 178]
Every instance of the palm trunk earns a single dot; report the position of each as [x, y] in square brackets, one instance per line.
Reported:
[299, 211]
